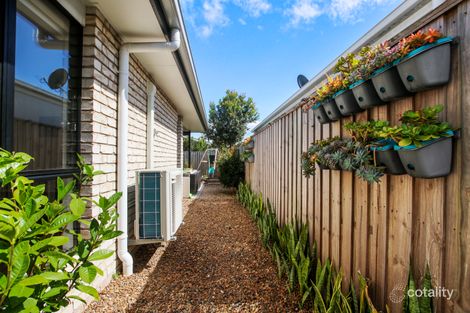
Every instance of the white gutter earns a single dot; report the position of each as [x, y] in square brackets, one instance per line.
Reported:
[151, 91]
[406, 14]
[123, 106]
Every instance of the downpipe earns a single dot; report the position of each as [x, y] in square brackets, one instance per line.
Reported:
[123, 119]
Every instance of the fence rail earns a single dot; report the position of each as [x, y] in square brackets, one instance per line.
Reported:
[381, 229]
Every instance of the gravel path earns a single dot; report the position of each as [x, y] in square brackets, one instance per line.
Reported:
[217, 264]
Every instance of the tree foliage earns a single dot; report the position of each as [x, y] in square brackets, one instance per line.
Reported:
[231, 168]
[228, 119]
[36, 271]
[197, 144]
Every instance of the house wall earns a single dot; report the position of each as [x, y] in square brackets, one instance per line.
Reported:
[381, 229]
[99, 124]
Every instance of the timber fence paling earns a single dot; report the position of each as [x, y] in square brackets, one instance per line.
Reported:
[379, 228]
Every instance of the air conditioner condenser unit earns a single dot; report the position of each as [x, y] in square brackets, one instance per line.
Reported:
[159, 204]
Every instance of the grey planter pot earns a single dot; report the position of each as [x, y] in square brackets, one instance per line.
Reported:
[389, 86]
[366, 96]
[250, 145]
[331, 110]
[426, 67]
[320, 115]
[430, 161]
[390, 160]
[347, 104]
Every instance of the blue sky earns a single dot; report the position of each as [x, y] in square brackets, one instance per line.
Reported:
[258, 47]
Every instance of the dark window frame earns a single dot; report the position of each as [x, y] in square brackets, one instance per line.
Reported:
[8, 12]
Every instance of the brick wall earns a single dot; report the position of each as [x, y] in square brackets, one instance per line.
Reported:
[99, 122]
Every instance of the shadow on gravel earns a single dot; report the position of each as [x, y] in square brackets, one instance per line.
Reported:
[217, 264]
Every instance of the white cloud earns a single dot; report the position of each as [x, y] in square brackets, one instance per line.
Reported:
[254, 7]
[349, 10]
[250, 126]
[303, 11]
[214, 16]
[211, 16]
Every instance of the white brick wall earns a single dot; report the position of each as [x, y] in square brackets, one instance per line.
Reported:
[99, 122]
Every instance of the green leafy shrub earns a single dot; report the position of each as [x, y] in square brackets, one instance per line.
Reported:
[418, 127]
[231, 169]
[36, 272]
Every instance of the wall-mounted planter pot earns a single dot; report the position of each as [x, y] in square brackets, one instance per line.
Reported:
[388, 84]
[365, 94]
[251, 159]
[320, 114]
[331, 110]
[386, 156]
[432, 160]
[427, 66]
[250, 145]
[346, 102]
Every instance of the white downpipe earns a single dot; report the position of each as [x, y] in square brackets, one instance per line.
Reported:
[151, 91]
[123, 117]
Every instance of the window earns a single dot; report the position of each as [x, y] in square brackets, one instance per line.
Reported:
[41, 106]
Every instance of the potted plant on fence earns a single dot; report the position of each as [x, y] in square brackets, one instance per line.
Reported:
[338, 153]
[385, 78]
[344, 97]
[425, 60]
[322, 103]
[315, 155]
[424, 144]
[324, 97]
[384, 154]
[357, 69]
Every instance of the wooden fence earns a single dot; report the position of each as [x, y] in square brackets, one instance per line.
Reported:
[379, 229]
[196, 157]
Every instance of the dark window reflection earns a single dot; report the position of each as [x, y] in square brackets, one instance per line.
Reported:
[45, 109]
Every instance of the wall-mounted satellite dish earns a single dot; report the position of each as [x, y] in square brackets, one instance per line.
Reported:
[301, 80]
[57, 79]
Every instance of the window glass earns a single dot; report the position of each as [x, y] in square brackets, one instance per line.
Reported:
[45, 105]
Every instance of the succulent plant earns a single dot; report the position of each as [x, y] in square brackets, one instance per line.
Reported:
[419, 39]
[417, 127]
[369, 173]
[365, 132]
[340, 153]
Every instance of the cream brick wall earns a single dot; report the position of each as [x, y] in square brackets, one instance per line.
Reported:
[99, 122]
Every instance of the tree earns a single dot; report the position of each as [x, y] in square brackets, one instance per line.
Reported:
[231, 168]
[197, 144]
[228, 119]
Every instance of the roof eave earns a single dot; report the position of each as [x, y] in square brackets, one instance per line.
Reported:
[169, 16]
